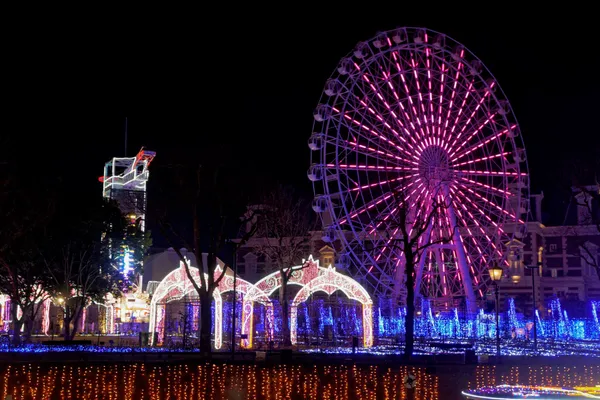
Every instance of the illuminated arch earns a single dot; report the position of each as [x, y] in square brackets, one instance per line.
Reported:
[176, 285]
[314, 278]
[251, 294]
[329, 280]
[301, 275]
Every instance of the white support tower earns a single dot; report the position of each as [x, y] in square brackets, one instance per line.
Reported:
[124, 181]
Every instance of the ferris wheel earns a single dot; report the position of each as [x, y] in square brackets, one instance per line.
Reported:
[409, 120]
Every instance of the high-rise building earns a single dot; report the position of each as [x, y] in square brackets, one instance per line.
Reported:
[124, 181]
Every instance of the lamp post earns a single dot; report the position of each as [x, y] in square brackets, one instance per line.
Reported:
[533, 272]
[496, 276]
[60, 301]
[235, 272]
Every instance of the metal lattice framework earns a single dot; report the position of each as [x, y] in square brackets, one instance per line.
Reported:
[409, 119]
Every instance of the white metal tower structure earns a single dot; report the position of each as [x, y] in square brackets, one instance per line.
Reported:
[124, 181]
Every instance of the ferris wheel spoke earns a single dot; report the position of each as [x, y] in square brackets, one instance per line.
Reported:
[480, 159]
[453, 99]
[491, 173]
[382, 251]
[371, 108]
[485, 187]
[402, 115]
[496, 206]
[412, 107]
[367, 206]
[409, 152]
[482, 143]
[417, 83]
[469, 120]
[378, 90]
[356, 126]
[431, 75]
[363, 167]
[441, 101]
[381, 218]
[375, 154]
[381, 183]
[457, 147]
[472, 236]
[461, 108]
[480, 211]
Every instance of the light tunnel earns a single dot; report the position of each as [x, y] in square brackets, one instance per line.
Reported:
[310, 276]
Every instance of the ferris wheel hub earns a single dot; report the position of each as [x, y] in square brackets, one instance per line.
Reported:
[434, 165]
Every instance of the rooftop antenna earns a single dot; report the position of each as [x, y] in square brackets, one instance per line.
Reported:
[125, 155]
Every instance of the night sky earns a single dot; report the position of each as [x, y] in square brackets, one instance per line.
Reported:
[246, 86]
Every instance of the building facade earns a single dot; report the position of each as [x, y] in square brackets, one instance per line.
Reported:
[570, 258]
[569, 254]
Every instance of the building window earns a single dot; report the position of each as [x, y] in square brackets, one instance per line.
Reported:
[250, 263]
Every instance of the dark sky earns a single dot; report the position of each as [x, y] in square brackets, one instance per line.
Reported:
[246, 84]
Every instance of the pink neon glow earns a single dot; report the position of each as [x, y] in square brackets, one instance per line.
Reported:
[372, 131]
[390, 118]
[477, 146]
[451, 99]
[477, 223]
[370, 167]
[395, 231]
[371, 149]
[380, 183]
[409, 196]
[370, 205]
[465, 141]
[504, 192]
[482, 159]
[380, 118]
[495, 173]
[485, 215]
[471, 236]
[483, 258]
[489, 202]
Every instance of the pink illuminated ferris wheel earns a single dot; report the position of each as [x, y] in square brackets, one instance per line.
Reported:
[409, 117]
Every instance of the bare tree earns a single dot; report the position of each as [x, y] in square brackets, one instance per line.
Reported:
[27, 207]
[284, 236]
[24, 283]
[210, 203]
[587, 201]
[409, 230]
[81, 275]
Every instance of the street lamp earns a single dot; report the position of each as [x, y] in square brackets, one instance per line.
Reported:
[496, 276]
[234, 304]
